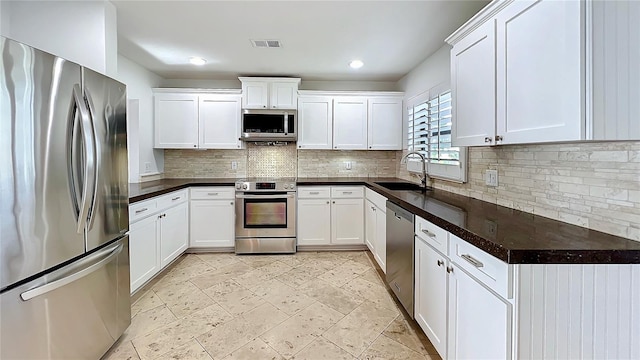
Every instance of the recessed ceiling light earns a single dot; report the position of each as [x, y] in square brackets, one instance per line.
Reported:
[197, 60]
[356, 64]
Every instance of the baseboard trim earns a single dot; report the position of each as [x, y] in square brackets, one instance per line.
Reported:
[226, 249]
[332, 247]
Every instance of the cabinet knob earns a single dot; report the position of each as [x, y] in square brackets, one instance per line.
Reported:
[334, 202]
[440, 262]
[232, 203]
[449, 269]
[274, 106]
[487, 139]
[335, 147]
[299, 146]
[264, 106]
[327, 202]
[195, 145]
[369, 147]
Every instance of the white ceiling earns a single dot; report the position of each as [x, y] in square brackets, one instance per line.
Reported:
[319, 38]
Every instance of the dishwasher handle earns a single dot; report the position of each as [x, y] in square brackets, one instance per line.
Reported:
[399, 213]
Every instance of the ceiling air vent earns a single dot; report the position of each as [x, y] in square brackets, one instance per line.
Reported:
[266, 43]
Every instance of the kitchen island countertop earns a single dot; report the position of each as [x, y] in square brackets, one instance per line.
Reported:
[511, 235]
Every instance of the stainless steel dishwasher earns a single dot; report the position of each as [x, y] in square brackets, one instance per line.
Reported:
[400, 237]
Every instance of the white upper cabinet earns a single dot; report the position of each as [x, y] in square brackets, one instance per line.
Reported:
[539, 67]
[315, 122]
[473, 87]
[384, 124]
[269, 93]
[563, 72]
[219, 117]
[350, 123]
[176, 121]
[195, 119]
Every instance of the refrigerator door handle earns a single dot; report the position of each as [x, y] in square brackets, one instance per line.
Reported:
[94, 174]
[89, 163]
[102, 257]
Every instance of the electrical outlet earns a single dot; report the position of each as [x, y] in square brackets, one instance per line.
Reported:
[347, 165]
[234, 165]
[147, 167]
[491, 177]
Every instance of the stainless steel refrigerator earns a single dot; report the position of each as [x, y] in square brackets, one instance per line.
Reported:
[64, 250]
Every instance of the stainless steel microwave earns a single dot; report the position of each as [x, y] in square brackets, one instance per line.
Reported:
[269, 125]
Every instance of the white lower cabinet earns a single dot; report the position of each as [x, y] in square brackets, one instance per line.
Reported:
[331, 215]
[212, 217]
[159, 234]
[479, 320]
[376, 227]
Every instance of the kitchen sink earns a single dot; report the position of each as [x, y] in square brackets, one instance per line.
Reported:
[397, 185]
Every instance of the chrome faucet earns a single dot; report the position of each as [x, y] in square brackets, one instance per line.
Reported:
[425, 177]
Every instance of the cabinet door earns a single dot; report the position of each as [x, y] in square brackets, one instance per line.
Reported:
[283, 95]
[431, 294]
[347, 221]
[219, 117]
[370, 226]
[381, 239]
[314, 222]
[143, 251]
[315, 122]
[479, 320]
[385, 124]
[473, 88]
[176, 121]
[255, 94]
[350, 123]
[539, 69]
[174, 233]
[211, 223]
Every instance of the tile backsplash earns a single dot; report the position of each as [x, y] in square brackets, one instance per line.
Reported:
[594, 185]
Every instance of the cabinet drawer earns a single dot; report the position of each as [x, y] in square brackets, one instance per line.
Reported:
[347, 192]
[212, 193]
[377, 199]
[493, 272]
[142, 209]
[314, 192]
[432, 234]
[171, 199]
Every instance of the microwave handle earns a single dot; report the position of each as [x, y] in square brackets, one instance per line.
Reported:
[286, 123]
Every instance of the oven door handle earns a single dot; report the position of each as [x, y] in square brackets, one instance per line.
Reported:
[240, 196]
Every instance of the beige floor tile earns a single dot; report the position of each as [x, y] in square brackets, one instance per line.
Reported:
[183, 298]
[343, 273]
[191, 351]
[169, 291]
[147, 321]
[262, 274]
[236, 333]
[218, 260]
[222, 274]
[363, 258]
[322, 349]
[255, 350]
[400, 331]
[301, 329]
[299, 275]
[372, 292]
[146, 302]
[290, 259]
[282, 296]
[122, 350]
[384, 348]
[372, 275]
[173, 336]
[223, 288]
[239, 301]
[182, 273]
[334, 297]
[356, 331]
[257, 261]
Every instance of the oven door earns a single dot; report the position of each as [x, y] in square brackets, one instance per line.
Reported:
[269, 214]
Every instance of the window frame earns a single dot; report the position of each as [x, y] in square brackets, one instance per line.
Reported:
[448, 172]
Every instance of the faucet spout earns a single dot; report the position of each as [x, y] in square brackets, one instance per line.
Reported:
[425, 177]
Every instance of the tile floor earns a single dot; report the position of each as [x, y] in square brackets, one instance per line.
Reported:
[325, 305]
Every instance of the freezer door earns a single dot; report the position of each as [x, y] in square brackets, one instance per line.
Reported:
[76, 312]
[108, 214]
[39, 128]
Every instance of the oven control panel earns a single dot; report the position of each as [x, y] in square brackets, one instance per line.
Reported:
[265, 186]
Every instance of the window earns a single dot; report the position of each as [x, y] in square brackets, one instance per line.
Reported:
[429, 132]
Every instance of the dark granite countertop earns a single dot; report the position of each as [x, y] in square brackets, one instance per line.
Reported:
[513, 236]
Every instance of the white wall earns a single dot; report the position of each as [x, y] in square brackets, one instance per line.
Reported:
[139, 83]
[304, 85]
[434, 70]
[81, 31]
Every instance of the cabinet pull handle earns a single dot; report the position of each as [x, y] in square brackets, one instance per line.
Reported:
[176, 198]
[212, 194]
[347, 192]
[373, 208]
[314, 192]
[487, 139]
[429, 233]
[475, 262]
[440, 262]
[449, 269]
[498, 138]
[141, 210]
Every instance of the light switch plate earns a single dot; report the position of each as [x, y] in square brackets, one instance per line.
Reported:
[491, 177]
[347, 165]
[234, 165]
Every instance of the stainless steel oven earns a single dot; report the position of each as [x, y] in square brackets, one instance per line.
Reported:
[265, 216]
